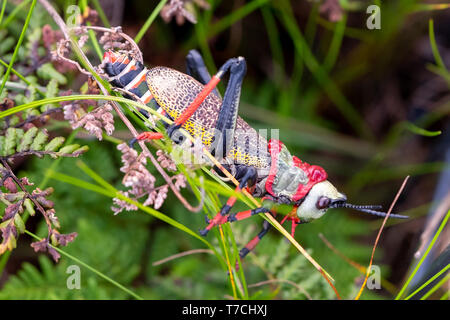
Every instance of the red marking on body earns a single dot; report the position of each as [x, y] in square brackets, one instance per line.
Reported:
[109, 56]
[189, 111]
[139, 82]
[314, 173]
[150, 97]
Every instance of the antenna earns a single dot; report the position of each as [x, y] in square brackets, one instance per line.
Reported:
[367, 209]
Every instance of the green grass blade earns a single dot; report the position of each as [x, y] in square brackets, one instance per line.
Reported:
[149, 21]
[352, 116]
[91, 173]
[441, 227]
[428, 282]
[14, 13]
[274, 41]
[89, 186]
[429, 6]
[311, 23]
[420, 131]
[435, 50]
[21, 77]
[78, 261]
[335, 46]
[37, 103]
[3, 11]
[437, 286]
[78, 182]
[19, 43]
[236, 15]
[101, 13]
[200, 32]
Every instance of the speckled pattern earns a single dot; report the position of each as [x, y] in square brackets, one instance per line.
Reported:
[174, 91]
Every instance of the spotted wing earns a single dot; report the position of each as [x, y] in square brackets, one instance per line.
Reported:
[174, 91]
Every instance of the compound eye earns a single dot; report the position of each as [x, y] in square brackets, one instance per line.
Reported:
[323, 203]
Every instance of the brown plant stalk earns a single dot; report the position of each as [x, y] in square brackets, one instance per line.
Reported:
[379, 236]
[62, 25]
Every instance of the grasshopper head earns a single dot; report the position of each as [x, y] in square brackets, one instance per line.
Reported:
[291, 178]
[319, 199]
[324, 196]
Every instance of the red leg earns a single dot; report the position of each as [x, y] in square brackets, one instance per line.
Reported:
[189, 111]
[221, 217]
[147, 135]
[294, 219]
[254, 242]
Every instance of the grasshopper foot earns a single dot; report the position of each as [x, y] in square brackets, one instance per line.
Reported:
[174, 133]
[132, 142]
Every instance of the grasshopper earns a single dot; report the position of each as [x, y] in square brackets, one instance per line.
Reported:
[265, 168]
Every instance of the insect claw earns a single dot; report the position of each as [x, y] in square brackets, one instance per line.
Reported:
[207, 219]
[204, 232]
[172, 128]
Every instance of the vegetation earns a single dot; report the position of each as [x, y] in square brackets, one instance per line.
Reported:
[370, 105]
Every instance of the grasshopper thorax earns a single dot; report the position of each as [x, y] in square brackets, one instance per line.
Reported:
[303, 184]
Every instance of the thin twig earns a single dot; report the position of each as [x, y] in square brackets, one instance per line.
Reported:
[356, 265]
[379, 235]
[116, 30]
[40, 154]
[60, 55]
[28, 195]
[386, 284]
[33, 118]
[182, 254]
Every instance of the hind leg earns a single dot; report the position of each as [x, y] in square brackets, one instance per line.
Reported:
[196, 68]
[248, 177]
